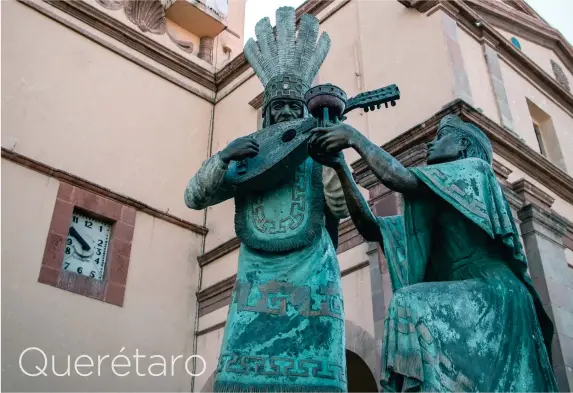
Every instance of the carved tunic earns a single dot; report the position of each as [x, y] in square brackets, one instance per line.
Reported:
[285, 326]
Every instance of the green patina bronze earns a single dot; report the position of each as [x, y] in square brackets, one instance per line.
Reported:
[285, 325]
[464, 315]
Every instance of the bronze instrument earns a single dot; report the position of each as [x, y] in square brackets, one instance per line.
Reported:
[284, 146]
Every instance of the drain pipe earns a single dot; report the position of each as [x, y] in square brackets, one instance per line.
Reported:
[203, 243]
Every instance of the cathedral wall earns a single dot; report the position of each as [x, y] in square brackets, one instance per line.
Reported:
[157, 316]
[519, 90]
[78, 107]
[478, 75]
[401, 46]
[539, 54]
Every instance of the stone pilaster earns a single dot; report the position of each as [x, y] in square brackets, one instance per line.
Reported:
[542, 231]
[496, 79]
[462, 84]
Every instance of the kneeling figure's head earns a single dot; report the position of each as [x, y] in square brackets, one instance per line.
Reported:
[456, 140]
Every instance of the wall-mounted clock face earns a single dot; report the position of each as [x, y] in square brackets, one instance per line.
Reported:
[86, 246]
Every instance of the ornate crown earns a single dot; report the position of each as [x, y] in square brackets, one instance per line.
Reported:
[286, 64]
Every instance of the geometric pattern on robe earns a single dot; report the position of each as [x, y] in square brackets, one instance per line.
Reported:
[416, 338]
[285, 325]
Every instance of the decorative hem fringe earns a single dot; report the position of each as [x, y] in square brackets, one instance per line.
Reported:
[274, 388]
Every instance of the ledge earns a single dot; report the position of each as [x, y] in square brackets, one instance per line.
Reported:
[112, 27]
[532, 194]
[217, 252]
[548, 218]
[97, 189]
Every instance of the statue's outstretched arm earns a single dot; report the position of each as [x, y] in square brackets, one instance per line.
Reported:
[360, 212]
[386, 168]
[206, 188]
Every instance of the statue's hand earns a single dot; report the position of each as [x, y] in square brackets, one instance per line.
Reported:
[333, 139]
[240, 149]
[331, 160]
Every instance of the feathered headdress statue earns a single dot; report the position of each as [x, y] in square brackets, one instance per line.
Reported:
[286, 64]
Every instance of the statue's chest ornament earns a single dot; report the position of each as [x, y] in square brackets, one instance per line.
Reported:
[288, 218]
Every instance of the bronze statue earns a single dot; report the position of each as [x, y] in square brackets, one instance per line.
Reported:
[285, 326]
[464, 315]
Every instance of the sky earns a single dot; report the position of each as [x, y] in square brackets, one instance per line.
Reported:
[558, 13]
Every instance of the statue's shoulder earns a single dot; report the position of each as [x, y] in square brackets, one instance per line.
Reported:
[478, 164]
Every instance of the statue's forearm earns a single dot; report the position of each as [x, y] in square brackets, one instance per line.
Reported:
[206, 188]
[386, 168]
[360, 212]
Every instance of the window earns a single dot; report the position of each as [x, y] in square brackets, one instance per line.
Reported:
[545, 135]
[516, 43]
[537, 130]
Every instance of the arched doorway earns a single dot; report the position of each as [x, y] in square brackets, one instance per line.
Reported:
[359, 376]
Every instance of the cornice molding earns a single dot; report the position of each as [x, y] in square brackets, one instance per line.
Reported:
[257, 102]
[505, 143]
[217, 252]
[530, 193]
[526, 26]
[112, 27]
[97, 189]
[547, 218]
[467, 17]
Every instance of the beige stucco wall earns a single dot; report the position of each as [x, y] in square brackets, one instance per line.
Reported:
[209, 347]
[157, 318]
[402, 46]
[478, 75]
[74, 105]
[236, 23]
[560, 206]
[518, 89]
[539, 54]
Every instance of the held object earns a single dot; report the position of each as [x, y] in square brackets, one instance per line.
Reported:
[284, 146]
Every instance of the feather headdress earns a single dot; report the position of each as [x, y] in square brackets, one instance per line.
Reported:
[286, 63]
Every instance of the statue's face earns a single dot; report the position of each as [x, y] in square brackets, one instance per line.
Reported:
[285, 110]
[447, 146]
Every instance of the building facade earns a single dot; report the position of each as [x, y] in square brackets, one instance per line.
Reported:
[110, 106]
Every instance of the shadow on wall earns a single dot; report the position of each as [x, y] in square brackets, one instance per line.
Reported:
[360, 378]
[362, 361]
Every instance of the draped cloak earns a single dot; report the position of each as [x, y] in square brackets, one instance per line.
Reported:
[285, 324]
[464, 315]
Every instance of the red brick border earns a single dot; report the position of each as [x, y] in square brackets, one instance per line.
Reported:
[112, 288]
